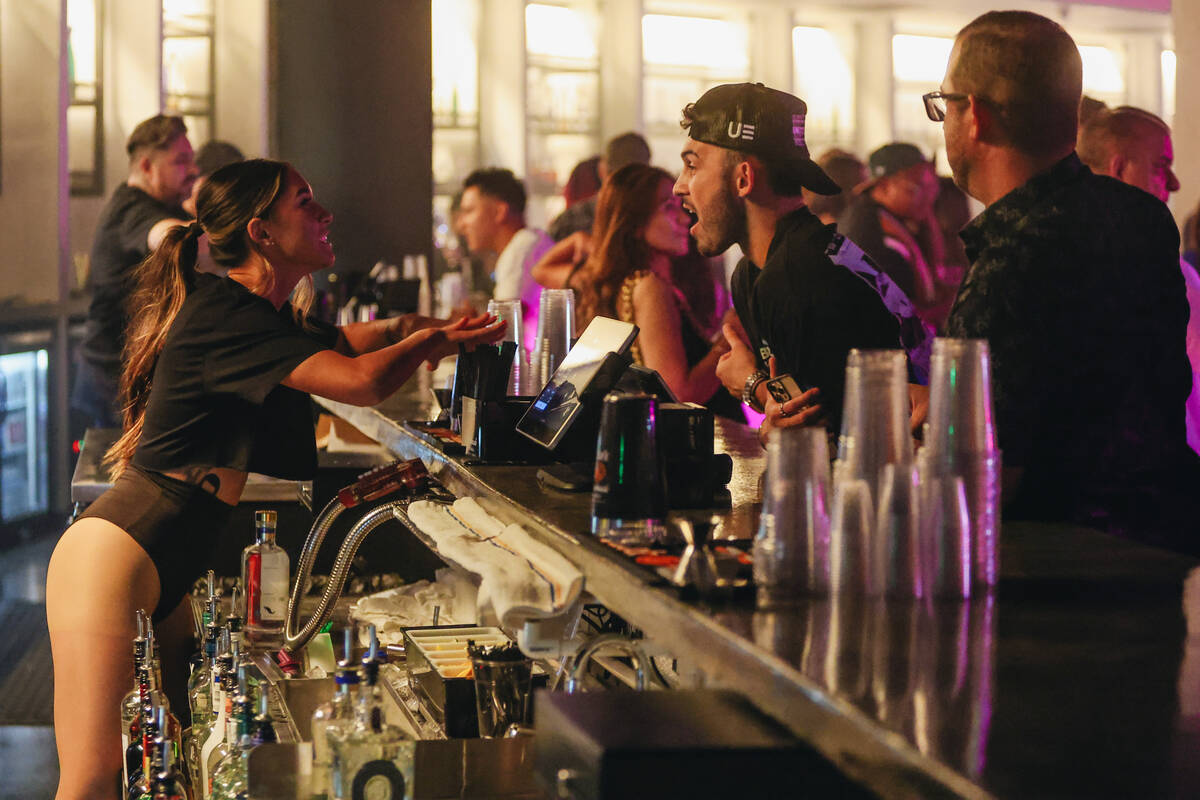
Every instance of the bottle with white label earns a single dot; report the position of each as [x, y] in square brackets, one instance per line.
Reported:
[265, 573]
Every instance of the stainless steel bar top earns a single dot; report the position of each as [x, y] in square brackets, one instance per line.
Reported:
[1077, 678]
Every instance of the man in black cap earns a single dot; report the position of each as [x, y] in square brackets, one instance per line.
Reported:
[804, 295]
[892, 219]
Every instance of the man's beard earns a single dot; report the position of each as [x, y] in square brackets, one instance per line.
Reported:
[725, 225]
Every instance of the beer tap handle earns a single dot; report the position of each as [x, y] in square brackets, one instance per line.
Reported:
[410, 475]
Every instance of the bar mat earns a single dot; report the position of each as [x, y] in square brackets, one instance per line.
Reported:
[26, 672]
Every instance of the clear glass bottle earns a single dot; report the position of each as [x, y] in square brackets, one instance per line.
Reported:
[169, 783]
[200, 681]
[222, 694]
[333, 718]
[229, 776]
[131, 705]
[372, 758]
[265, 573]
[165, 781]
[237, 718]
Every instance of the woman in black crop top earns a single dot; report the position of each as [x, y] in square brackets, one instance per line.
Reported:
[217, 374]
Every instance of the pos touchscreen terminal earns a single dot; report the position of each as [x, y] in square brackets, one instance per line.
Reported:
[588, 372]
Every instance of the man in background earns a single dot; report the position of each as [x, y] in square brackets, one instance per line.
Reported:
[847, 171]
[210, 157]
[492, 218]
[1135, 146]
[1074, 281]
[133, 222]
[628, 148]
[891, 218]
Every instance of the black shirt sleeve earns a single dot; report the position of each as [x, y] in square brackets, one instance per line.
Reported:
[257, 349]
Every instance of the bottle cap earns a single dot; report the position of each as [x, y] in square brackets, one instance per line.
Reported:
[265, 518]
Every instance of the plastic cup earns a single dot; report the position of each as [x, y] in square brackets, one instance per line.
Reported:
[510, 312]
[896, 556]
[961, 416]
[556, 330]
[875, 414]
[851, 526]
[792, 548]
[945, 531]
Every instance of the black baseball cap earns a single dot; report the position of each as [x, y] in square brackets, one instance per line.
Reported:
[752, 118]
[892, 158]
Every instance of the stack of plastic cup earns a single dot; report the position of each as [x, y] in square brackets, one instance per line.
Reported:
[510, 312]
[875, 436]
[792, 547]
[556, 330]
[960, 468]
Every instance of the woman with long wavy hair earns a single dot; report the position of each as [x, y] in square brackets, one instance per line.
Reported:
[640, 229]
[216, 382]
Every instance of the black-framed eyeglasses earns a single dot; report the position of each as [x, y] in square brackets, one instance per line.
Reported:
[935, 103]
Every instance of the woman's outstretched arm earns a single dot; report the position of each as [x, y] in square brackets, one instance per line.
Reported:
[371, 377]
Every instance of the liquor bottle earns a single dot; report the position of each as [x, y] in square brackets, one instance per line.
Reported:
[265, 569]
[132, 703]
[262, 727]
[147, 687]
[372, 758]
[196, 661]
[168, 783]
[222, 694]
[229, 768]
[331, 718]
[139, 782]
[200, 681]
[242, 659]
[162, 778]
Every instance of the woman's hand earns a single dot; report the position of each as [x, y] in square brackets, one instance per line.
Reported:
[466, 331]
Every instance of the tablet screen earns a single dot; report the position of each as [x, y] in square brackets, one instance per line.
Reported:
[551, 414]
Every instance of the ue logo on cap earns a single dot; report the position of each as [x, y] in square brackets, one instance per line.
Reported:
[738, 130]
[798, 129]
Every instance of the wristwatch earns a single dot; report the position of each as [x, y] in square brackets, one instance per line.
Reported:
[750, 389]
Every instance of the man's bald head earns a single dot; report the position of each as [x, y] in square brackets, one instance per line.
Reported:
[1133, 145]
[1027, 68]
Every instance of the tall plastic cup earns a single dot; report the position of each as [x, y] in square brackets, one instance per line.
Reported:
[792, 548]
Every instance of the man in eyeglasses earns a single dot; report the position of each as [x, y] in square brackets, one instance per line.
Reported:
[1075, 283]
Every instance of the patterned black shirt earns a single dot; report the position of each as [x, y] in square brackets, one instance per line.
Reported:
[1075, 283]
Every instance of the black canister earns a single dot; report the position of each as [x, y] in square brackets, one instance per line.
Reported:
[629, 495]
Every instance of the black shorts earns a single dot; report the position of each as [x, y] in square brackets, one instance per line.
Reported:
[178, 524]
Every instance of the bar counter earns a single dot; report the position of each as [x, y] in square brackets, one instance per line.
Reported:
[1076, 678]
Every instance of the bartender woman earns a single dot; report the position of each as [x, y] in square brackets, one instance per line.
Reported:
[217, 373]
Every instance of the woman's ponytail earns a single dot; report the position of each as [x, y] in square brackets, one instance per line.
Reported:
[162, 281]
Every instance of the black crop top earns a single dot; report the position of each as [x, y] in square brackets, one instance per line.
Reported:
[215, 400]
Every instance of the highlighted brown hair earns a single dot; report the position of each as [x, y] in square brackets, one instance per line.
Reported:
[626, 203]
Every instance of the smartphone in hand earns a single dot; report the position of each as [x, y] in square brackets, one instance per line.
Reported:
[784, 388]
